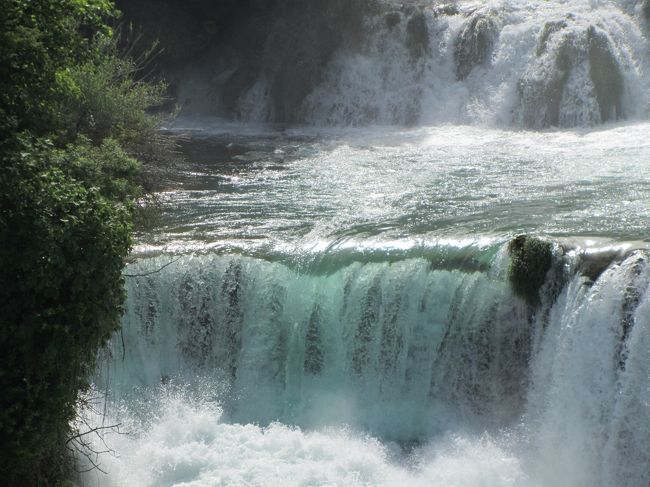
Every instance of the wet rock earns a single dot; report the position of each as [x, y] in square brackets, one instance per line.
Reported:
[237, 83]
[592, 266]
[530, 260]
[302, 41]
[576, 79]
[605, 74]
[448, 9]
[549, 29]
[313, 361]
[392, 19]
[474, 44]
[542, 87]
[417, 35]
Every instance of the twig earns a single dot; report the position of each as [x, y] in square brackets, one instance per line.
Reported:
[93, 430]
[156, 271]
[95, 464]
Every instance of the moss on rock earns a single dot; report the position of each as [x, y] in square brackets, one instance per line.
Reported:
[530, 260]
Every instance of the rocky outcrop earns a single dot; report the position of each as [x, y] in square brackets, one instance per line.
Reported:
[530, 260]
[284, 43]
[474, 44]
[392, 19]
[548, 30]
[605, 74]
[417, 35]
[569, 59]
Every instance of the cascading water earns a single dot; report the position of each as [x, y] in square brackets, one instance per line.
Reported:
[506, 63]
[403, 351]
[387, 338]
[590, 389]
[327, 305]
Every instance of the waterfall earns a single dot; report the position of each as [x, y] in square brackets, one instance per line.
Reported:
[589, 387]
[386, 337]
[406, 350]
[498, 63]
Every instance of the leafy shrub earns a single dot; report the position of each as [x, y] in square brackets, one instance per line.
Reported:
[37, 39]
[62, 253]
[74, 123]
[103, 99]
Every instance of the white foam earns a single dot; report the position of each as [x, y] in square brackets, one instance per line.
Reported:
[187, 444]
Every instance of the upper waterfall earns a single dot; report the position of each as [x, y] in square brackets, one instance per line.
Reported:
[506, 63]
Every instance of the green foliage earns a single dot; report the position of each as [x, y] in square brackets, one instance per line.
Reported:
[530, 260]
[74, 124]
[37, 39]
[64, 244]
[102, 99]
[106, 167]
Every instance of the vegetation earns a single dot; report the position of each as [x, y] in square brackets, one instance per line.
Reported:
[530, 260]
[74, 126]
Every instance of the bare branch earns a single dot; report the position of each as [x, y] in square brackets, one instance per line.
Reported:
[93, 430]
[156, 271]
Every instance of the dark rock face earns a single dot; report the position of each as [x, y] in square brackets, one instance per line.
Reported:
[294, 42]
[474, 44]
[392, 19]
[185, 29]
[646, 9]
[562, 54]
[417, 35]
[301, 42]
[605, 74]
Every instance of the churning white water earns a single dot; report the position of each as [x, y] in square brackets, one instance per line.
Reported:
[329, 305]
[496, 63]
[235, 371]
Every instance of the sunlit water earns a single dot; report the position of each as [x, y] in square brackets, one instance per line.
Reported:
[297, 190]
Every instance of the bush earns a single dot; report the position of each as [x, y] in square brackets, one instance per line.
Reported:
[530, 260]
[63, 249]
[74, 128]
[106, 167]
[102, 98]
[38, 38]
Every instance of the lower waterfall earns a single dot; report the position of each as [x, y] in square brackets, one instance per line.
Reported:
[426, 370]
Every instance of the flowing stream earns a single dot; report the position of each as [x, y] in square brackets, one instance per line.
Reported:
[327, 303]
